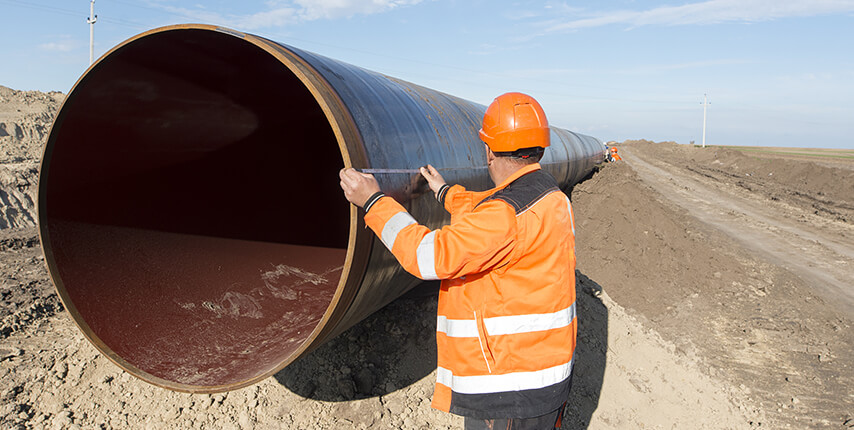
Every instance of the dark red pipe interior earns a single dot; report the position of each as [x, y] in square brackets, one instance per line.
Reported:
[191, 207]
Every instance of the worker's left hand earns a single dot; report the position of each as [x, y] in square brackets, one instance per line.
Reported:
[358, 187]
[434, 179]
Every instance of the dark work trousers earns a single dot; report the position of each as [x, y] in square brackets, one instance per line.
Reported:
[548, 421]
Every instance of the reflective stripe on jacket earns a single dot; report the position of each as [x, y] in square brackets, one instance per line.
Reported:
[506, 323]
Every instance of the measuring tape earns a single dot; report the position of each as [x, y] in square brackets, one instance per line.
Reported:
[412, 171]
[388, 171]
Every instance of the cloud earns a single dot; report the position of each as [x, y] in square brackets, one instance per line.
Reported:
[704, 13]
[541, 73]
[330, 9]
[268, 19]
[281, 13]
[658, 68]
[64, 44]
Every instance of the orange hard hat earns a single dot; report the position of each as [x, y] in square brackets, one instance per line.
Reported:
[514, 121]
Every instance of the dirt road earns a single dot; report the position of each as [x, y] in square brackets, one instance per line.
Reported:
[698, 243]
[818, 250]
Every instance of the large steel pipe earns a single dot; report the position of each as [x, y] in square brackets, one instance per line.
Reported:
[189, 206]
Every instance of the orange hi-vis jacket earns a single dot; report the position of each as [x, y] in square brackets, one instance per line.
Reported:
[506, 321]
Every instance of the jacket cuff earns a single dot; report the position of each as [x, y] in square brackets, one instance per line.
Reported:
[373, 199]
[443, 191]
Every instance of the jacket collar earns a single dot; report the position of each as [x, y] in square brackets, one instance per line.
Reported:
[519, 173]
[478, 196]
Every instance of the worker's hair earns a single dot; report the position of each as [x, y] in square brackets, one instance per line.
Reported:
[524, 156]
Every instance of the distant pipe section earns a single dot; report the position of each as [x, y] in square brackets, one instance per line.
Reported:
[189, 206]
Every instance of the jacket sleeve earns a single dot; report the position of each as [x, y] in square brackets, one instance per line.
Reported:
[476, 241]
[457, 200]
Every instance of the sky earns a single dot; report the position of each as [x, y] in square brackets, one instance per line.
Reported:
[776, 72]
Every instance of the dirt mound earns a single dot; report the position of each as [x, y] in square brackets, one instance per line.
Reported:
[25, 119]
[18, 193]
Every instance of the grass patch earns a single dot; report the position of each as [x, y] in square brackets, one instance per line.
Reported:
[845, 154]
[807, 154]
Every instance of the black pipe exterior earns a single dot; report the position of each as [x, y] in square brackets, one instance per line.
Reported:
[189, 207]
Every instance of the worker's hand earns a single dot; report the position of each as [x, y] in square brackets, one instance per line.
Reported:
[358, 187]
[434, 179]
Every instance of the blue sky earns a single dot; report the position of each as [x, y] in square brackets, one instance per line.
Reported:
[777, 72]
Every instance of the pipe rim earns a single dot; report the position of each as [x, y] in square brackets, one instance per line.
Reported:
[359, 243]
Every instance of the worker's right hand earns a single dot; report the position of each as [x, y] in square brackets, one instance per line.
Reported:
[358, 187]
[434, 179]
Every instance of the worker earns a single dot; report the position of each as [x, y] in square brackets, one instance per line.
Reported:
[506, 324]
[614, 155]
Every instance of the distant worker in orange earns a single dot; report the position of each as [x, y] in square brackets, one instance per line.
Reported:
[611, 154]
[506, 320]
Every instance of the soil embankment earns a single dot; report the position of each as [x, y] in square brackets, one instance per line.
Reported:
[743, 262]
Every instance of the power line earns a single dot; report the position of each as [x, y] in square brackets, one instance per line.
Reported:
[36, 6]
[154, 9]
[69, 12]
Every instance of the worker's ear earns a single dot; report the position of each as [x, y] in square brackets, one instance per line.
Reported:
[489, 154]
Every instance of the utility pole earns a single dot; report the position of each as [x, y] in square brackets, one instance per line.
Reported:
[705, 104]
[91, 21]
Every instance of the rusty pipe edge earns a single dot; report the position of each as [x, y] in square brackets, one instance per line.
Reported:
[189, 208]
